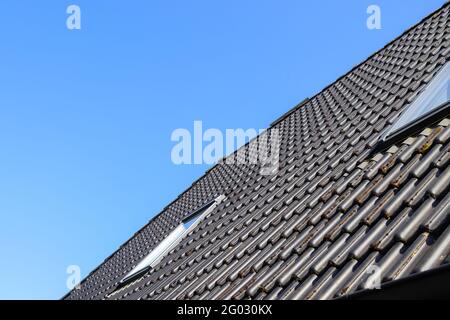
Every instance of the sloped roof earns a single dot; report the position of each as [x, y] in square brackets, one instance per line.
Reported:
[334, 209]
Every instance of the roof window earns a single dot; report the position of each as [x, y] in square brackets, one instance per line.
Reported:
[170, 242]
[430, 106]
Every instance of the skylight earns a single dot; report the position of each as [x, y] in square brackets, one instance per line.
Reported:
[435, 95]
[171, 241]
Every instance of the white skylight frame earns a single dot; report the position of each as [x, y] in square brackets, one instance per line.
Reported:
[172, 240]
[435, 95]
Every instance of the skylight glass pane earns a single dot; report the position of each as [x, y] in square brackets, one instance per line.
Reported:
[171, 241]
[436, 94]
[161, 249]
[188, 223]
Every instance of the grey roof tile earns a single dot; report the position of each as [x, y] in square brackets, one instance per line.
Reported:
[415, 251]
[332, 212]
[437, 254]
[360, 274]
[440, 214]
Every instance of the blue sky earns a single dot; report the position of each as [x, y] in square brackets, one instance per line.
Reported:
[86, 115]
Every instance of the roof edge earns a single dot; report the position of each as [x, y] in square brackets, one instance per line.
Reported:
[431, 284]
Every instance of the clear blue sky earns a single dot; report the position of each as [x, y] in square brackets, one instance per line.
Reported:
[86, 116]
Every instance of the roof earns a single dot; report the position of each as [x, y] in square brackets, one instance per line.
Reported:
[334, 209]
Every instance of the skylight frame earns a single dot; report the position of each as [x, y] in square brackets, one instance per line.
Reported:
[174, 238]
[408, 123]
